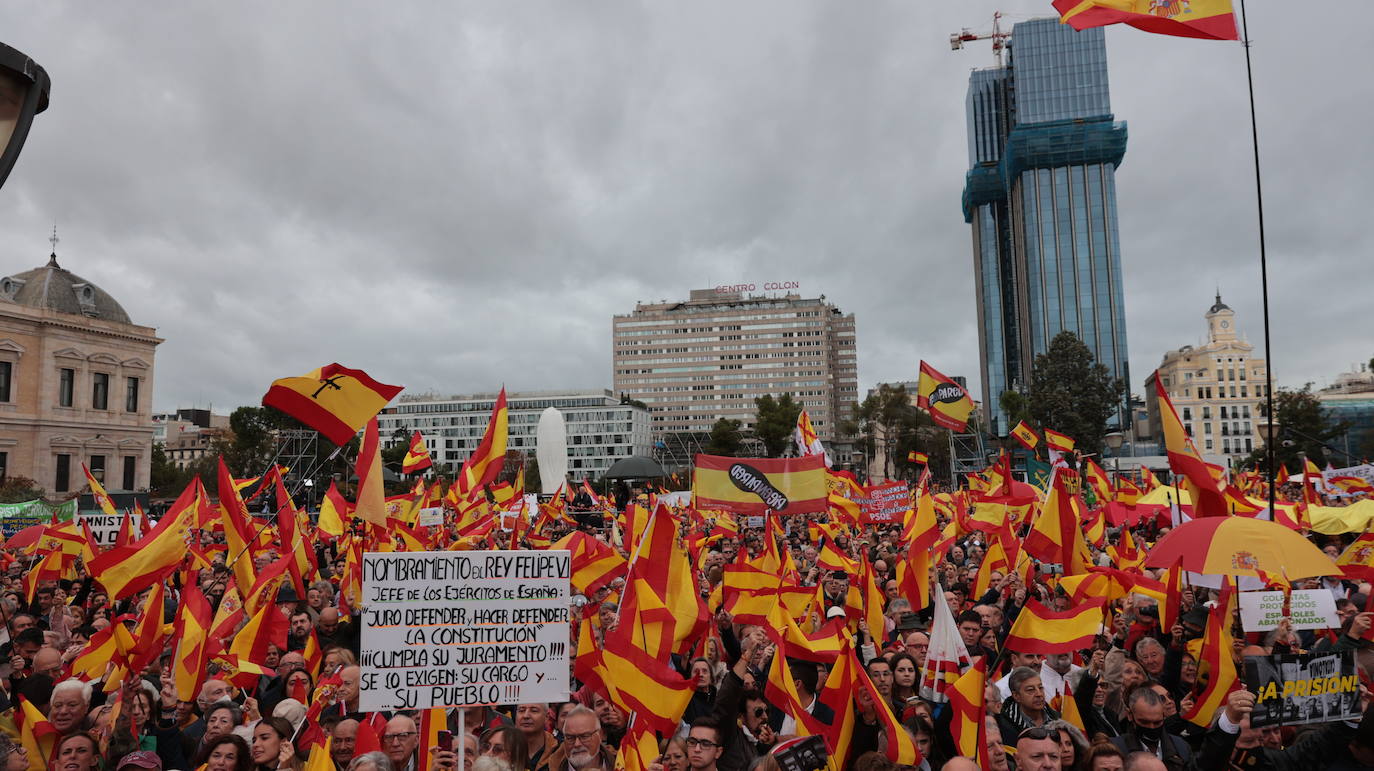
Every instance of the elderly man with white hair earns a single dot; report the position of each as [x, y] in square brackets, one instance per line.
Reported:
[71, 700]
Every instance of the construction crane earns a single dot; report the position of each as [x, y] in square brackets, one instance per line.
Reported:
[997, 36]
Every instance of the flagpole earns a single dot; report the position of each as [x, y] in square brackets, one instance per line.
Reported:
[1264, 264]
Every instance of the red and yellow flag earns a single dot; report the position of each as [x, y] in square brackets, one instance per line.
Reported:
[488, 459]
[98, 493]
[1057, 441]
[1041, 630]
[1057, 535]
[124, 570]
[1025, 435]
[371, 503]
[756, 485]
[1207, 19]
[947, 402]
[1215, 664]
[334, 400]
[1186, 461]
[917, 457]
[969, 712]
[417, 456]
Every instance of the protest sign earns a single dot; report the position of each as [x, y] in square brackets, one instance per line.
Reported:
[432, 516]
[885, 502]
[1308, 609]
[105, 528]
[456, 629]
[1292, 689]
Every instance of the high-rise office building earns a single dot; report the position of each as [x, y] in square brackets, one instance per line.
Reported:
[1041, 196]
[708, 358]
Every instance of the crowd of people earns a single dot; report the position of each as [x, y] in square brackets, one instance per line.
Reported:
[1129, 690]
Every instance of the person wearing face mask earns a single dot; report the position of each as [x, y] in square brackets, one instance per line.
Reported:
[1145, 732]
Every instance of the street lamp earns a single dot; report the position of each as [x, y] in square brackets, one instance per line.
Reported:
[23, 94]
[1267, 431]
[1114, 440]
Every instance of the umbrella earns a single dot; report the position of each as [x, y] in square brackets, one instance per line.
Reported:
[1240, 546]
[636, 467]
[29, 536]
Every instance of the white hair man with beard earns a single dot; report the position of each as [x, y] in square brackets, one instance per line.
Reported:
[583, 747]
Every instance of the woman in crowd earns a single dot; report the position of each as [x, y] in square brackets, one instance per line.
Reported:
[226, 752]
[272, 748]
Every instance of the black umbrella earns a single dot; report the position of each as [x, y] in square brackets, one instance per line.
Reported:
[636, 467]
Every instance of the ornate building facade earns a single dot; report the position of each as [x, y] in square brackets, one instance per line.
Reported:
[76, 384]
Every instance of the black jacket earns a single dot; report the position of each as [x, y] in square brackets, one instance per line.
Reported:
[1177, 755]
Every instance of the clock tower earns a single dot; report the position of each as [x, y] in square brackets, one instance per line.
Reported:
[1221, 322]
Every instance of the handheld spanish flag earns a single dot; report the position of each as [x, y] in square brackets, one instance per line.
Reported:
[1206, 19]
[1058, 442]
[334, 400]
[947, 402]
[1186, 461]
[1025, 436]
[486, 461]
[917, 457]
[1041, 630]
[417, 456]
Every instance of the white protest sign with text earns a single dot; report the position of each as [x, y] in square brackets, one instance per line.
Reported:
[1308, 609]
[105, 528]
[456, 629]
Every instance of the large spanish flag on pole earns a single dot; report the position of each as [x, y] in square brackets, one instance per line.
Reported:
[1207, 19]
[1186, 461]
[947, 402]
[756, 485]
[334, 400]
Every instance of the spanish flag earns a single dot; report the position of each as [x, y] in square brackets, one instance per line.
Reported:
[1206, 19]
[334, 400]
[481, 468]
[969, 712]
[756, 485]
[1057, 441]
[1041, 630]
[1215, 663]
[125, 570]
[1025, 436]
[417, 457]
[1184, 459]
[947, 402]
[917, 457]
[101, 497]
[1057, 533]
[371, 504]
[191, 633]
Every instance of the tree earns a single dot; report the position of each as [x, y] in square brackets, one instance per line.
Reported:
[1073, 394]
[891, 428]
[19, 489]
[1303, 427]
[1016, 406]
[726, 438]
[775, 423]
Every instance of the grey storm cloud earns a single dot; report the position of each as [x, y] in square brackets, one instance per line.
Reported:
[454, 196]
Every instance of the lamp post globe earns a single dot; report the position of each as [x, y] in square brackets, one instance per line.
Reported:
[23, 94]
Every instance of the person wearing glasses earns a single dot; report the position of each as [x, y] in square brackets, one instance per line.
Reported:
[582, 748]
[704, 745]
[400, 741]
[1037, 749]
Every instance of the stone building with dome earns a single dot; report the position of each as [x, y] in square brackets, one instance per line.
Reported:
[76, 384]
[1217, 388]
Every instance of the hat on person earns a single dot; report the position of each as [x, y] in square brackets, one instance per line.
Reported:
[910, 622]
[839, 575]
[141, 759]
[835, 612]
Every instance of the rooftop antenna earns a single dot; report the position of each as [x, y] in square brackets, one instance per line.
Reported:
[998, 37]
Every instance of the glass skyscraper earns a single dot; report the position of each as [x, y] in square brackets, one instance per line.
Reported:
[1041, 196]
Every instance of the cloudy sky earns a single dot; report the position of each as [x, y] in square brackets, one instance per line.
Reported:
[456, 195]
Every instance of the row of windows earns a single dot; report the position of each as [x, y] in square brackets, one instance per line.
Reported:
[62, 476]
[1226, 412]
[66, 388]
